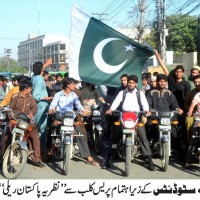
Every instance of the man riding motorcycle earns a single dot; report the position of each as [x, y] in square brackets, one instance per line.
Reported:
[130, 103]
[162, 99]
[24, 102]
[66, 100]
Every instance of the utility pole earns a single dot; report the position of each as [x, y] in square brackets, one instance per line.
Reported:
[157, 24]
[198, 42]
[164, 31]
[8, 52]
[100, 14]
[161, 27]
[141, 26]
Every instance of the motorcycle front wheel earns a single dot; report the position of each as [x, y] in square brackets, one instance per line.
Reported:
[165, 155]
[97, 141]
[128, 160]
[66, 158]
[13, 168]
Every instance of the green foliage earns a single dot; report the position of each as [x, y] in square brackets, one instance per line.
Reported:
[182, 33]
[11, 65]
[151, 39]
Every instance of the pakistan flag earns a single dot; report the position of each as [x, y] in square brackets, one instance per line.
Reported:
[100, 54]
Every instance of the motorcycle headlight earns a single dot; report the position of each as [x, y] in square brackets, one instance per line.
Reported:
[2, 116]
[129, 124]
[94, 106]
[96, 113]
[68, 122]
[23, 125]
[165, 121]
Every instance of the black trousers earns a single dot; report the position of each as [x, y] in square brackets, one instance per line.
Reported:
[194, 141]
[176, 140]
[144, 143]
[82, 143]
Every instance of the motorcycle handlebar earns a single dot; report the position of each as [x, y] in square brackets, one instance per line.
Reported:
[75, 113]
[155, 111]
[196, 115]
[7, 109]
[118, 112]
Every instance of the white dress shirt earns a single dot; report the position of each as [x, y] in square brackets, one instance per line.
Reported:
[131, 102]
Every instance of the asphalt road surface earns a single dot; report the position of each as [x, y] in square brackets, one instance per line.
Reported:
[80, 170]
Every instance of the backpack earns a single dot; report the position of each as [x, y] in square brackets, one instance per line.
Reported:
[124, 96]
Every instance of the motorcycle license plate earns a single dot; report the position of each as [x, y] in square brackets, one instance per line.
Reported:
[128, 131]
[17, 130]
[67, 128]
[3, 123]
[164, 127]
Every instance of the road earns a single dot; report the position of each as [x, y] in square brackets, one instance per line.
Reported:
[80, 170]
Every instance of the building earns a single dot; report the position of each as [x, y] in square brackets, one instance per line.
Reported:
[41, 48]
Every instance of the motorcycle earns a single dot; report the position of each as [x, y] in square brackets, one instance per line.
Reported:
[195, 147]
[98, 126]
[125, 129]
[160, 143]
[3, 124]
[95, 125]
[16, 154]
[63, 138]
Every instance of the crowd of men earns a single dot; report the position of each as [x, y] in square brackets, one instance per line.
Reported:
[42, 94]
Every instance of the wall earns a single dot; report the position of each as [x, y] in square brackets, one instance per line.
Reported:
[188, 60]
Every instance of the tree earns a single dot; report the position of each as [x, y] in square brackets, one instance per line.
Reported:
[9, 64]
[182, 34]
[152, 39]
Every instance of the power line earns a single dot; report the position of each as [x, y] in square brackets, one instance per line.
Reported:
[185, 5]
[194, 9]
[111, 5]
[100, 14]
[101, 3]
[120, 8]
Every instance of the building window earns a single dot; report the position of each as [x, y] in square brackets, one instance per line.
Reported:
[56, 47]
[45, 50]
[62, 46]
[52, 49]
[62, 57]
[44, 58]
[48, 50]
[56, 58]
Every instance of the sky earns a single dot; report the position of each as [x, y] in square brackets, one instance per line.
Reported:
[18, 18]
[21, 17]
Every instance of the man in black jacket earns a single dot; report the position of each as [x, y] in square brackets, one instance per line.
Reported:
[57, 87]
[179, 87]
[162, 99]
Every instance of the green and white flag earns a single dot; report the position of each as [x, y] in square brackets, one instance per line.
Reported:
[100, 54]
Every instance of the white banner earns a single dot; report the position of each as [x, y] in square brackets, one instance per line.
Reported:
[99, 189]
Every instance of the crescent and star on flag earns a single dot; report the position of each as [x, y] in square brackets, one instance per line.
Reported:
[99, 61]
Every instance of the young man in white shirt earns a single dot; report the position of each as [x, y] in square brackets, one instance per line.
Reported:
[131, 103]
